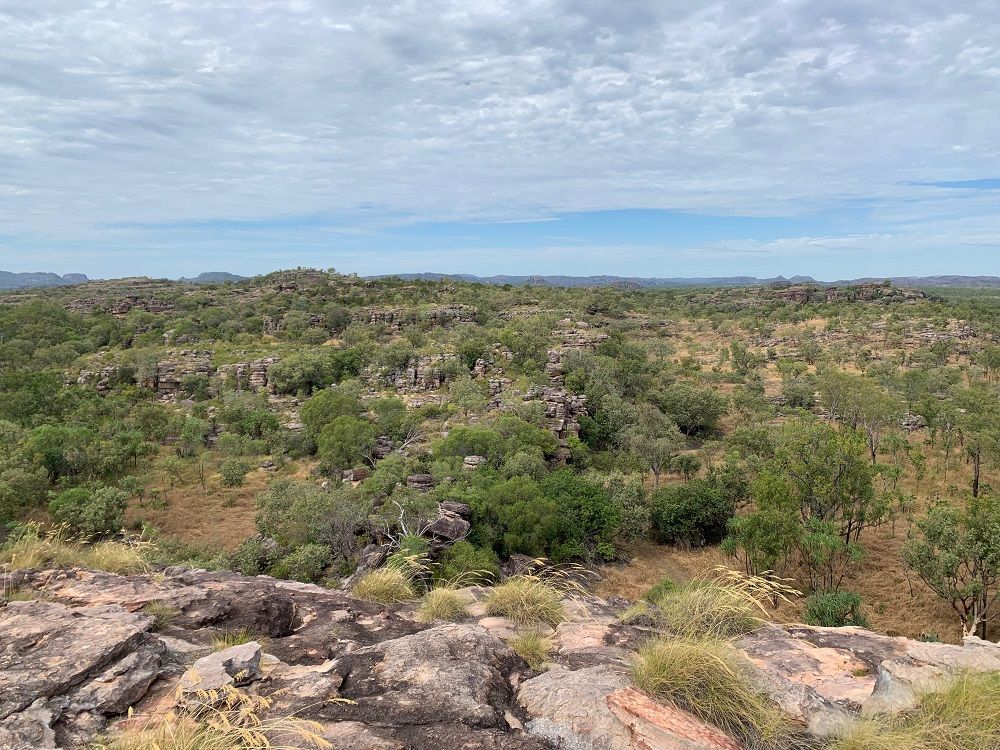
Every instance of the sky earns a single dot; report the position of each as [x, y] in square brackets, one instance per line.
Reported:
[834, 138]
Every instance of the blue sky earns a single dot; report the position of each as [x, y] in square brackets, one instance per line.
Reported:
[834, 138]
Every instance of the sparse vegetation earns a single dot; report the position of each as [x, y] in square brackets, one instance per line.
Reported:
[235, 637]
[163, 614]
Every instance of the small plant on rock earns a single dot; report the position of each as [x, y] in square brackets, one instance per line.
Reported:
[443, 604]
[527, 600]
[385, 586]
[533, 647]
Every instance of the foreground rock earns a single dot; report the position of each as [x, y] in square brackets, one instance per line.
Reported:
[78, 657]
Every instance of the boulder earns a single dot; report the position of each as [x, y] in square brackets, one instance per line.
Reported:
[595, 708]
[234, 666]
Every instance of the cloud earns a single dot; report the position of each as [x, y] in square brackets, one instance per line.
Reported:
[151, 112]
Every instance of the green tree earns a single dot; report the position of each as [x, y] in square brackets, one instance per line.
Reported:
[694, 409]
[91, 513]
[325, 406]
[956, 552]
[346, 442]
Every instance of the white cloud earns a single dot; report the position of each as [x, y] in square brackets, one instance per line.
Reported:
[168, 110]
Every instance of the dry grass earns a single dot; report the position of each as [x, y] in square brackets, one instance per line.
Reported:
[224, 720]
[963, 716]
[55, 549]
[709, 677]
[723, 604]
[443, 604]
[533, 647]
[527, 600]
[385, 586]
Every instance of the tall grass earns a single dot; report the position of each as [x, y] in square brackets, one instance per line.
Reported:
[965, 715]
[390, 585]
[443, 603]
[55, 548]
[533, 647]
[527, 600]
[707, 676]
[724, 604]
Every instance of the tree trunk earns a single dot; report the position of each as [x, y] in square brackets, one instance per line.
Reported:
[976, 461]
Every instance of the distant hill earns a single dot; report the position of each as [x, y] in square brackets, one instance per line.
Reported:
[636, 282]
[9, 280]
[213, 277]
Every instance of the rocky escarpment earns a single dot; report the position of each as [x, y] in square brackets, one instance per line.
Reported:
[79, 648]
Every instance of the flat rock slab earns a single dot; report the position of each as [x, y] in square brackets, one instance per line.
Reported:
[46, 649]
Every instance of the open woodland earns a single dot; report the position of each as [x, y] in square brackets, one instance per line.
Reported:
[846, 440]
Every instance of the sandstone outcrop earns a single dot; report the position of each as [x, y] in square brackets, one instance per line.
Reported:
[83, 647]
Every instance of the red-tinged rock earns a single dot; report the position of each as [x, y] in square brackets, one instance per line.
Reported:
[660, 726]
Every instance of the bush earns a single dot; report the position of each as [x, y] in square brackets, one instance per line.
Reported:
[253, 556]
[710, 678]
[694, 409]
[91, 513]
[385, 586]
[305, 564]
[443, 604]
[526, 600]
[694, 513]
[233, 471]
[326, 406]
[835, 609]
[464, 562]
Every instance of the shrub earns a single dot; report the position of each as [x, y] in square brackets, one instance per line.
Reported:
[660, 589]
[962, 716]
[694, 409]
[443, 604]
[526, 600]
[385, 586]
[694, 513]
[533, 647]
[465, 562]
[708, 677]
[835, 609]
[305, 563]
[233, 472]
[253, 556]
[326, 406]
[95, 513]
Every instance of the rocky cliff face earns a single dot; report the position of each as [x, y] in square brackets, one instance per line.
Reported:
[80, 647]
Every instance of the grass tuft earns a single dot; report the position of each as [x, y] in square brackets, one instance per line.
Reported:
[235, 637]
[709, 677]
[443, 604]
[388, 585]
[163, 614]
[965, 715]
[534, 648]
[725, 604]
[527, 600]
